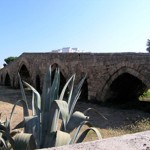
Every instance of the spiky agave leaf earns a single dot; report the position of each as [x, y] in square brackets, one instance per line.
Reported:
[2, 127]
[23, 94]
[46, 90]
[94, 110]
[62, 138]
[12, 112]
[6, 141]
[14, 132]
[45, 104]
[50, 89]
[34, 121]
[33, 104]
[3, 143]
[37, 100]
[49, 140]
[62, 107]
[76, 134]
[58, 138]
[2, 121]
[79, 138]
[54, 119]
[84, 134]
[75, 95]
[51, 92]
[7, 124]
[31, 125]
[2, 138]
[75, 120]
[54, 92]
[24, 141]
[72, 78]
[44, 127]
[6, 138]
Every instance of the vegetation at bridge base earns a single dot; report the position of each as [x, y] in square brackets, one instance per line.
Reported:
[146, 94]
[52, 119]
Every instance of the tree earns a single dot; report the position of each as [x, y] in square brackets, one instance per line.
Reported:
[9, 60]
[148, 45]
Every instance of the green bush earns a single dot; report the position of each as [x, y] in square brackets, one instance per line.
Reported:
[52, 119]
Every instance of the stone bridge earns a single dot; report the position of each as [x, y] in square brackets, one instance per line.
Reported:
[110, 76]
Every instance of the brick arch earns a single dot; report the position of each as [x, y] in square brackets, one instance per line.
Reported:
[1, 78]
[6, 71]
[38, 75]
[84, 91]
[115, 75]
[63, 68]
[54, 66]
[25, 63]
[38, 83]
[37, 78]
[7, 79]
[25, 72]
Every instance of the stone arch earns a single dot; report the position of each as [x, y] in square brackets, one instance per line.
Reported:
[25, 74]
[38, 84]
[54, 66]
[63, 68]
[7, 80]
[13, 81]
[124, 73]
[84, 91]
[1, 79]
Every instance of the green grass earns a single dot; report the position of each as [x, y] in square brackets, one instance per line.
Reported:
[145, 96]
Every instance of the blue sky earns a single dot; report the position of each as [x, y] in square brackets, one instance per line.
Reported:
[91, 25]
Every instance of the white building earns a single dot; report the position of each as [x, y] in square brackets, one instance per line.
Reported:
[67, 50]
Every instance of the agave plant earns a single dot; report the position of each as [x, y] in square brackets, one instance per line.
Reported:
[52, 119]
[14, 139]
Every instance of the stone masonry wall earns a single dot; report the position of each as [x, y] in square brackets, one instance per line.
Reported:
[101, 68]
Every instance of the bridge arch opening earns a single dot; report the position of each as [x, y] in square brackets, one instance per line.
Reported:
[1, 79]
[84, 91]
[24, 73]
[124, 88]
[38, 84]
[13, 82]
[7, 80]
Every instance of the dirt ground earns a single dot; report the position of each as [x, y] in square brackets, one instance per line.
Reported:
[116, 116]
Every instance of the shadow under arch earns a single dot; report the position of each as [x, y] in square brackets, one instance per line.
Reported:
[1, 79]
[126, 84]
[84, 91]
[24, 74]
[7, 80]
[38, 84]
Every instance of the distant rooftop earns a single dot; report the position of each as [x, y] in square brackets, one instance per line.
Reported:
[67, 50]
